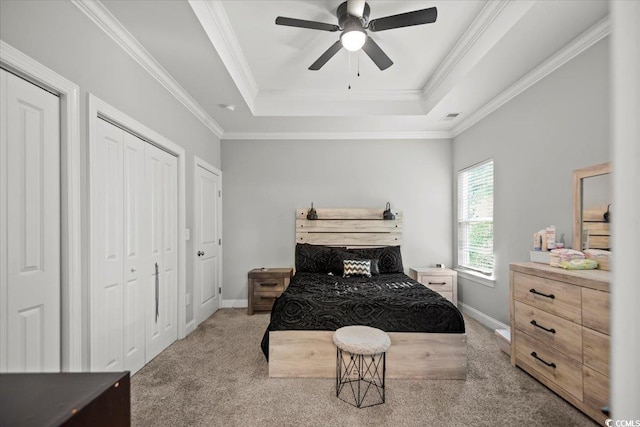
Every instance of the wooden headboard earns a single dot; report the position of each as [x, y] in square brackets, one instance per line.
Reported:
[348, 227]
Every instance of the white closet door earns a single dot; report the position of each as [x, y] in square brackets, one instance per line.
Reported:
[30, 227]
[136, 265]
[206, 243]
[162, 178]
[107, 293]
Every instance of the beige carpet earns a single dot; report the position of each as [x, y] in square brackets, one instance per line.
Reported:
[218, 376]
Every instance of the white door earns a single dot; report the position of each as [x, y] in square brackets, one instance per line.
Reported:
[135, 228]
[162, 189]
[29, 227]
[108, 293]
[207, 243]
[136, 265]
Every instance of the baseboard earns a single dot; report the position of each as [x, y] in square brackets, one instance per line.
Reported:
[234, 303]
[191, 326]
[486, 320]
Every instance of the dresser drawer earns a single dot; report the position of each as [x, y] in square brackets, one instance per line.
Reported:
[595, 310]
[550, 329]
[551, 296]
[565, 372]
[268, 285]
[596, 350]
[596, 389]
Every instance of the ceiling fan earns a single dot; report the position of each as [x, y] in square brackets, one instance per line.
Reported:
[353, 20]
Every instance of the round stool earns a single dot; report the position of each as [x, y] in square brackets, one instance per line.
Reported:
[360, 365]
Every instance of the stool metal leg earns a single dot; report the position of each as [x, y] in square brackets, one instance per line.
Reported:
[359, 369]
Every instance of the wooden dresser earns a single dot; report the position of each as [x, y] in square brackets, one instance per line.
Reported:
[441, 280]
[265, 285]
[560, 332]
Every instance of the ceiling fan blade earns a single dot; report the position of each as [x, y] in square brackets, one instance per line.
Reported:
[376, 54]
[301, 23]
[417, 17]
[326, 56]
[355, 7]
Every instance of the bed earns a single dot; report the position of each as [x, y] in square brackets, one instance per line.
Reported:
[427, 331]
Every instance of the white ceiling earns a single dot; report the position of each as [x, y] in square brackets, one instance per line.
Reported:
[231, 52]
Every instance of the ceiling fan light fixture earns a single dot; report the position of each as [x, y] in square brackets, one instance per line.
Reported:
[353, 40]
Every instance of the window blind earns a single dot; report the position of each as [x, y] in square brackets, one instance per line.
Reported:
[475, 218]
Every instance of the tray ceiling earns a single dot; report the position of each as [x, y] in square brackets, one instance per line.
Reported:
[231, 52]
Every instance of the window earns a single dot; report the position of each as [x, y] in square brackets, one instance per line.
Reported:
[475, 218]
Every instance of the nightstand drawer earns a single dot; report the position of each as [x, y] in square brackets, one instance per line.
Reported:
[268, 285]
[440, 280]
[438, 283]
[264, 300]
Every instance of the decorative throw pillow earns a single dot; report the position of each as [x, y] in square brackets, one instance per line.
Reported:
[390, 260]
[389, 257]
[313, 258]
[374, 267]
[337, 257]
[357, 267]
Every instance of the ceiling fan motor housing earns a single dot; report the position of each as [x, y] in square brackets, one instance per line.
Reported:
[345, 20]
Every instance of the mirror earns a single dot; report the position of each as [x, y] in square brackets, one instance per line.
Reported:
[591, 201]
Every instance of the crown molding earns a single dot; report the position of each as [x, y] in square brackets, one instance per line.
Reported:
[445, 134]
[478, 27]
[578, 45]
[108, 23]
[216, 24]
[369, 95]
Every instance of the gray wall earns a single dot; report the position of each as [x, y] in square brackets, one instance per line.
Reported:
[264, 181]
[58, 35]
[537, 140]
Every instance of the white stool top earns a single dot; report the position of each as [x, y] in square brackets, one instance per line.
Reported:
[361, 340]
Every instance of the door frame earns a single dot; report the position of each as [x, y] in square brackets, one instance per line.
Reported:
[99, 109]
[198, 162]
[71, 304]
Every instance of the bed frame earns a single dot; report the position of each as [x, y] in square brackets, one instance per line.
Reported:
[313, 354]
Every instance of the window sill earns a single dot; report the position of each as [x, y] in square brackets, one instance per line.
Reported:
[489, 281]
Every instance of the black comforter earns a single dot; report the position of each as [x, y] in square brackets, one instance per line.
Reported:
[390, 302]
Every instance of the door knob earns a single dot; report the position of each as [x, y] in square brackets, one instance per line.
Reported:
[200, 253]
[133, 269]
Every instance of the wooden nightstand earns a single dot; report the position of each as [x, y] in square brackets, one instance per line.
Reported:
[441, 280]
[265, 286]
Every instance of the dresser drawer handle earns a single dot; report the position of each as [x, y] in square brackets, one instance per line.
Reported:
[534, 323]
[535, 355]
[437, 283]
[533, 291]
[268, 284]
[267, 297]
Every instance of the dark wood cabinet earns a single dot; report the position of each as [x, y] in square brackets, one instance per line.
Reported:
[65, 399]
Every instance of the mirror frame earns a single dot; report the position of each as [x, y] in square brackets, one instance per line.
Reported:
[578, 176]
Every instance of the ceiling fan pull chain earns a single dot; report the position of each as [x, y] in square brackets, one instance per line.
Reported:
[358, 63]
[349, 71]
